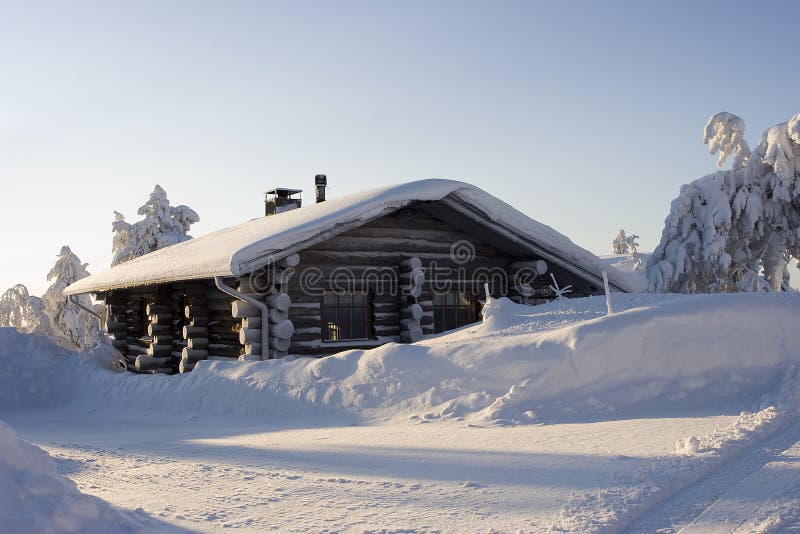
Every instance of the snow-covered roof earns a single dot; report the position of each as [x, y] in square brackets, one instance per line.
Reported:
[243, 248]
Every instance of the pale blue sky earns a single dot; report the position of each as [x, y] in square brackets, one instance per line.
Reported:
[588, 116]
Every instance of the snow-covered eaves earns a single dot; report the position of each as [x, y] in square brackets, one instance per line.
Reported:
[246, 247]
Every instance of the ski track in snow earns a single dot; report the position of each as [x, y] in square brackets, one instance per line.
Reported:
[681, 512]
[396, 477]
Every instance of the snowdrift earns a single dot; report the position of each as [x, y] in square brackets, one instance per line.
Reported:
[34, 498]
[566, 360]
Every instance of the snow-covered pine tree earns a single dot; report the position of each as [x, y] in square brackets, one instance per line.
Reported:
[620, 243]
[724, 228]
[770, 201]
[693, 253]
[36, 319]
[625, 244]
[68, 320]
[13, 307]
[163, 225]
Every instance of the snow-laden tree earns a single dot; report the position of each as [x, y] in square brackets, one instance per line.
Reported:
[693, 253]
[13, 307]
[68, 320]
[625, 244]
[36, 319]
[163, 225]
[23, 312]
[771, 183]
[725, 228]
[620, 243]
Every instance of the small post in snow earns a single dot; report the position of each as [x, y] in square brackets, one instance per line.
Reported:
[608, 293]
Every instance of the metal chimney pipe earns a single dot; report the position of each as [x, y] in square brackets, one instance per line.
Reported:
[321, 182]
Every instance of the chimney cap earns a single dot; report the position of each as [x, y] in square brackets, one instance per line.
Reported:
[283, 191]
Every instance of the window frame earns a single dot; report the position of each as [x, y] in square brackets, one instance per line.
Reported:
[366, 308]
[470, 307]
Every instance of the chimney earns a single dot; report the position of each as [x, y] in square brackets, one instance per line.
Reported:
[281, 199]
[320, 182]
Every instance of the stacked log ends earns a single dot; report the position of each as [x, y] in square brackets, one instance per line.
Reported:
[152, 363]
[248, 325]
[278, 302]
[241, 309]
[281, 329]
[157, 355]
[185, 366]
[116, 326]
[412, 278]
[196, 334]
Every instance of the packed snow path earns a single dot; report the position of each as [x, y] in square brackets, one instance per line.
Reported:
[753, 491]
[210, 475]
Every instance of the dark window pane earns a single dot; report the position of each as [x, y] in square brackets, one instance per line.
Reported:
[450, 318]
[438, 299]
[359, 323]
[345, 316]
[438, 320]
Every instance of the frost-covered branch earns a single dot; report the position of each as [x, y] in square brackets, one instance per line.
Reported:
[560, 292]
[724, 134]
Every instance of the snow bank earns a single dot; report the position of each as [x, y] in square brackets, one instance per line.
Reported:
[626, 266]
[34, 498]
[32, 371]
[701, 349]
[566, 360]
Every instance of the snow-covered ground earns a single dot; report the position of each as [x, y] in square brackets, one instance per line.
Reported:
[539, 419]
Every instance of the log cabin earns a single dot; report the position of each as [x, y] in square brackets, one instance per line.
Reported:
[391, 264]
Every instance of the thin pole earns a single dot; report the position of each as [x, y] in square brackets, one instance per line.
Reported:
[608, 293]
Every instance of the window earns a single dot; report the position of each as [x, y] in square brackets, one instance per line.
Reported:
[345, 316]
[453, 309]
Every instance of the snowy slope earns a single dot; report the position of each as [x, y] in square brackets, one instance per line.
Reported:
[34, 498]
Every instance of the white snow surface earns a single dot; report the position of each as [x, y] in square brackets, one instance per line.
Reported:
[521, 364]
[234, 250]
[626, 265]
[557, 417]
[34, 498]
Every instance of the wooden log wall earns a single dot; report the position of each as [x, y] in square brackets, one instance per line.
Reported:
[375, 254]
[223, 328]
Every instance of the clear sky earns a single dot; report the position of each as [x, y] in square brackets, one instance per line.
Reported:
[588, 116]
